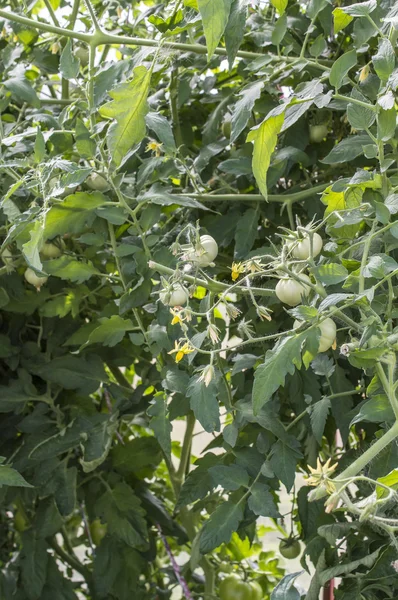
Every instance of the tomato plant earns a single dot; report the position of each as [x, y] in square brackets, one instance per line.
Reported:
[199, 232]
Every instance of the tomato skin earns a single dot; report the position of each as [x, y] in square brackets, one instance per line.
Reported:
[34, 279]
[291, 292]
[257, 590]
[328, 333]
[233, 588]
[97, 182]
[98, 531]
[301, 248]
[177, 296]
[20, 522]
[50, 250]
[226, 127]
[82, 54]
[318, 133]
[225, 567]
[290, 549]
[205, 253]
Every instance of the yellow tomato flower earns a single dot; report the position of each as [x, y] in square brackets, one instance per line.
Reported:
[155, 147]
[321, 475]
[181, 351]
[177, 318]
[237, 269]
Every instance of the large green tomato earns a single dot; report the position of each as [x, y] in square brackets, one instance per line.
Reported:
[233, 588]
[290, 548]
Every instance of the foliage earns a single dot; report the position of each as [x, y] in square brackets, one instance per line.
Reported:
[254, 124]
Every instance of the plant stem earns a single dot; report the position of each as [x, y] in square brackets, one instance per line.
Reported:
[388, 385]
[355, 101]
[285, 197]
[186, 447]
[364, 260]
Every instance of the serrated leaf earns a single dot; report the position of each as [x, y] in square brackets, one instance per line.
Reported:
[11, 477]
[31, 249]
[359, 117]
[279, 362]
[73, 214]
[246, 231]
[235, 28]
[129, 107]
[68, 268]
[121, 509]
[386, 124]
[319, 415]
[341, 67]
[221, 525]
[84, 143]
[261, 501]
[215, 14]
[230, 477]
[331, 273]
[40, 146]
[384, 59]
[110, 331]
[283, 461]
[160, 424]
[203, 401]
[199, 481]
[243, 108]
[68, 64]
[265, 138]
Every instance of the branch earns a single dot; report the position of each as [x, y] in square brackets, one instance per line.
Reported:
[281, 198]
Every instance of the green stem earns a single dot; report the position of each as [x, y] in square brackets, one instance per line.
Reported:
[307, 35]
[92, 15]
[75, 12]
[388, 385]
[355, 101]
[11, 16]
[50, 9]
[285, 197]
[364, 260]
[186, 447]
[213, 286]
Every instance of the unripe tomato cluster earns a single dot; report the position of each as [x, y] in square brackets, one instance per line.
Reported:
[205, 253]
[291, 292]
[234, 588]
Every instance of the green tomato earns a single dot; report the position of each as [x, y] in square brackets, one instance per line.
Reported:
[290, 548]
[20, 521]
[225, 567]
[50, 250]
[82, 53]
[34, 279]
[318, 133]
[233, 588]
[291, 292]
[328, 333]
[226, 128]
[98, 531]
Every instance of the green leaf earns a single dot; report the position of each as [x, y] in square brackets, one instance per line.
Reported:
[380, 265]
[261, 501]
[215, 14]
[40, 146]
[69, 65]
[341, 67]
[121, 510]
[160, 423]
[331, 273]
[341, 19]
[361, 9]
[85, 145]
[285, 589]
[110, 331]
[265, 138]
[162, 128]
[279, 30]
[391, 480]
[11, 477]
[319, 415]
[283, 461]
[279, 362]
[375, 410]
[68, 268]
[72, 372]
[199, 481]
[360, 118]
[129, 107]
[230, 477]
[344, 569]
[243, 108]
[31, 249]
[386, 124]
[246, 232]
[73, 214]
[221, 525]
[34, 559]
[384, 60]
[21, 89]
[47, 519]
[280, 5]
[235, 28]
[204, 403]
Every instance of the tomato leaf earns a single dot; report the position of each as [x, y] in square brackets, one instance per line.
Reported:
[264, 138]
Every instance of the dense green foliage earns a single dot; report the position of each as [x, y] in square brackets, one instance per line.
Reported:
[263, 126]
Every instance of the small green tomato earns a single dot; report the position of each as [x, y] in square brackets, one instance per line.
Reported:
[318, 133]
[290, 548]
[176, 296]
[34, 279]
[291, 292]
[328, 333]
